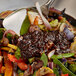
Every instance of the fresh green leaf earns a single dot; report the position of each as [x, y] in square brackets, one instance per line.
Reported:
[25, 26]
[63, 68]
[56, 71]
[67, 55]
[44, 58]
[17, 53]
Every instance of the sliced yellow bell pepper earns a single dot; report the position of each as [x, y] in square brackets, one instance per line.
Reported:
[12, 46]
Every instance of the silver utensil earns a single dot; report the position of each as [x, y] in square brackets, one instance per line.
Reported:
[46, 7]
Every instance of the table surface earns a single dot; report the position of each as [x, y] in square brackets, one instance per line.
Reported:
[70, 5]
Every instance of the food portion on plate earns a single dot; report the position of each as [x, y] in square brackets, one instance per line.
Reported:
[46, 46]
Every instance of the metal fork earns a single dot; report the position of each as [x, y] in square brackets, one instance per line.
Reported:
[45, 8]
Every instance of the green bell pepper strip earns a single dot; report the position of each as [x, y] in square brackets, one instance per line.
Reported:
[66, 55]
[63, 68]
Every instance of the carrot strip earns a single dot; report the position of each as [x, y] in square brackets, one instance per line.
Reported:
[8, 65]
[36, 21]
[5, 48]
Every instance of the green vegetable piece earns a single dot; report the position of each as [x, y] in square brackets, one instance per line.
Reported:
[44, 58]
[31, 60]
[63, 20]
[20, 74]
[42, 27]
[56, 72]
[2, 29]
[63, 68]
[34, 73]
[66, 64]
[25, 26]
[0, 74]
[72, 68]
[19, 71]
[1, 32]
[54, 23]
[9, 36]
[17, 53]
[66, 55]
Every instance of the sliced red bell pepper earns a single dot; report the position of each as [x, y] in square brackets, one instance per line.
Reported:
[0, 66]
[64, 75]
[0, 52]
[50, 74]
[22, 66]
[8, 65]
[12, 58]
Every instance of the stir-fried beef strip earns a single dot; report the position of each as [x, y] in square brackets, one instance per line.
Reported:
[34, 43]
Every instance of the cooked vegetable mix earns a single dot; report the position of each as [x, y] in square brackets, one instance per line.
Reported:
[46, 46]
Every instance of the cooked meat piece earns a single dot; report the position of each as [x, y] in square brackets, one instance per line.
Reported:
[37, 64]
[34, 43]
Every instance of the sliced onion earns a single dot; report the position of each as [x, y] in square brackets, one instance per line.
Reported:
[1, 58]
[68, 33]
[14, 69]
[46, 23]
[50, 65]
[20, 38]
[64, 60]
[51, 54]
